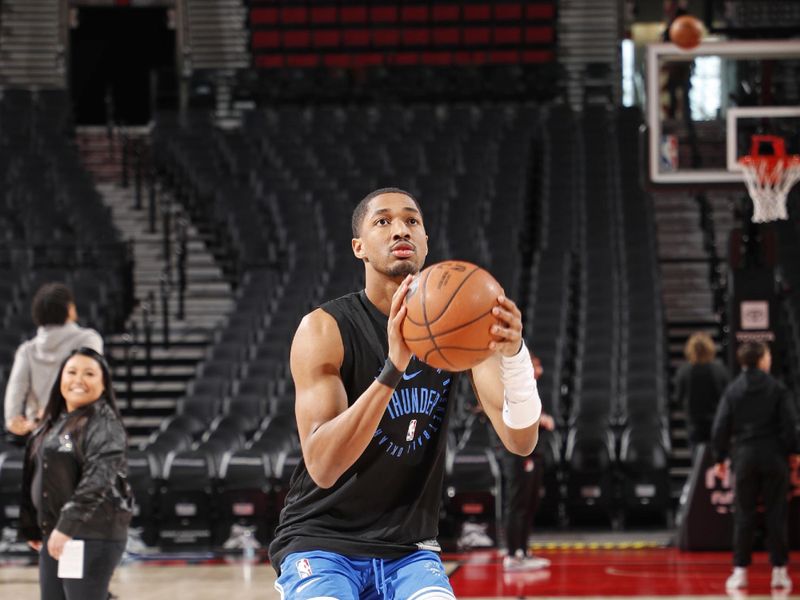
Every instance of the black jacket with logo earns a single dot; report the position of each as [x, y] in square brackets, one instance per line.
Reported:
[84, 492]
[755, 410]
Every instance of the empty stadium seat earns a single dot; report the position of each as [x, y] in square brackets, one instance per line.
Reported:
[188, 509]
[644, 463]
[143, 476]
[590, 459]
[245, 494]
[11, 464]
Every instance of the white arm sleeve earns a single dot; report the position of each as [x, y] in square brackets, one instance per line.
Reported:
[522, 406]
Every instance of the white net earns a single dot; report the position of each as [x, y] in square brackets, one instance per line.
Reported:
[768, 182]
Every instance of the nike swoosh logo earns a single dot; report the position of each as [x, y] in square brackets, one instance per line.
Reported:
[409, 376]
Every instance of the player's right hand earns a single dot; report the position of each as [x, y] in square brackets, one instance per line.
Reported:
[399, 352]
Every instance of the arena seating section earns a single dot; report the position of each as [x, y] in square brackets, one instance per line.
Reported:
[53, 224]
[53, 227]
[368, 34]
[503, 185]
[541, 196]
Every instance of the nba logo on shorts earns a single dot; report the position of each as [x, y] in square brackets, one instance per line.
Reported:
[303, 568]
[412, 427]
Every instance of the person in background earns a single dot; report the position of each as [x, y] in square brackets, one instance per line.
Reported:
[679, 73]
[36, 361]
[74, 480]
[755, 426]
[699, 383]
[523, 481]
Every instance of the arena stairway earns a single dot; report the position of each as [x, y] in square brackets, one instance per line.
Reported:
[208, 301]
[216, 42]
[32, 45]
[687, 257]
[588, 50]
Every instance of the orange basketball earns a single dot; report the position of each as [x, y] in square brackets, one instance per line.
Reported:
[449, 319]
[686, 31]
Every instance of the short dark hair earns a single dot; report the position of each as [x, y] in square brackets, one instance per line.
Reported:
[750, 354]
[360, 211]
[51, 304]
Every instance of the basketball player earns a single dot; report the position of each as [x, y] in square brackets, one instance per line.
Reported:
[362, 512]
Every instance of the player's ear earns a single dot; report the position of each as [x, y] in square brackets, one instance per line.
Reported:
[358, 247]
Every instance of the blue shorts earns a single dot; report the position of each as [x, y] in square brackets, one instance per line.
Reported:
[319, 575]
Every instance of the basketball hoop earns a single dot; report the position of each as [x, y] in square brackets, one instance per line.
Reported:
[769, 177]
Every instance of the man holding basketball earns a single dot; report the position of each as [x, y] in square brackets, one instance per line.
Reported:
[362, 512]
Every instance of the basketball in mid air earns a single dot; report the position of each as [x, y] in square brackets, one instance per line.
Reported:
[686, 32]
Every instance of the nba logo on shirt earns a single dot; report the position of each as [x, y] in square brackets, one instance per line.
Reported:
[303, 568]
[412, 427]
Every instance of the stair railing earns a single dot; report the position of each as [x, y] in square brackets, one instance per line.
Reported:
[151, 202]
[137, 156]
[166, 228]
[164, 289]
[181, 253]
[147, 325]
[124, 144]
[129, 350]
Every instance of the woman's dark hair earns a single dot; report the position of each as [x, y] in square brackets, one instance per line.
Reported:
[749, 354]
[57, 404]
[51, 304]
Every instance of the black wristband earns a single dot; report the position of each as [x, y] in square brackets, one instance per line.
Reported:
[390, 375]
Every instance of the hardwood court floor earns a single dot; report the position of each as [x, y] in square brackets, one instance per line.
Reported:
[649, 573]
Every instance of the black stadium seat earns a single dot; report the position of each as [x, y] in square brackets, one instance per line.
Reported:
[188, 509]
[245, 494]
[11, 463]
[644, 461]
[590, 459]
[143, 476]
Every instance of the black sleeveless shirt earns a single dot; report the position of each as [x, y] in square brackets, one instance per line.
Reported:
[387, 504]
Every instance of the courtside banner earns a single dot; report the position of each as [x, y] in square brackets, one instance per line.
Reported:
[706, 512]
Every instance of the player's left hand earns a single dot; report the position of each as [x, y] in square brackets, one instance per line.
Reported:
[509, 329]
[55, 543]
[547, 422]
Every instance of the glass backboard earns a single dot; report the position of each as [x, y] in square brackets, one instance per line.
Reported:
[704, 105]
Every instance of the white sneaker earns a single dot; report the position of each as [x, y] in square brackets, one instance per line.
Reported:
[474, 535]
[780, 578]
[737, 579]
[521, 562]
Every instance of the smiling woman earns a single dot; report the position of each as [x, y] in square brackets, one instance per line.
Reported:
[74, 483]
[81, 382]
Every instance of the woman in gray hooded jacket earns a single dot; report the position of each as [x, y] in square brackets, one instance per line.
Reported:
[37, 361]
